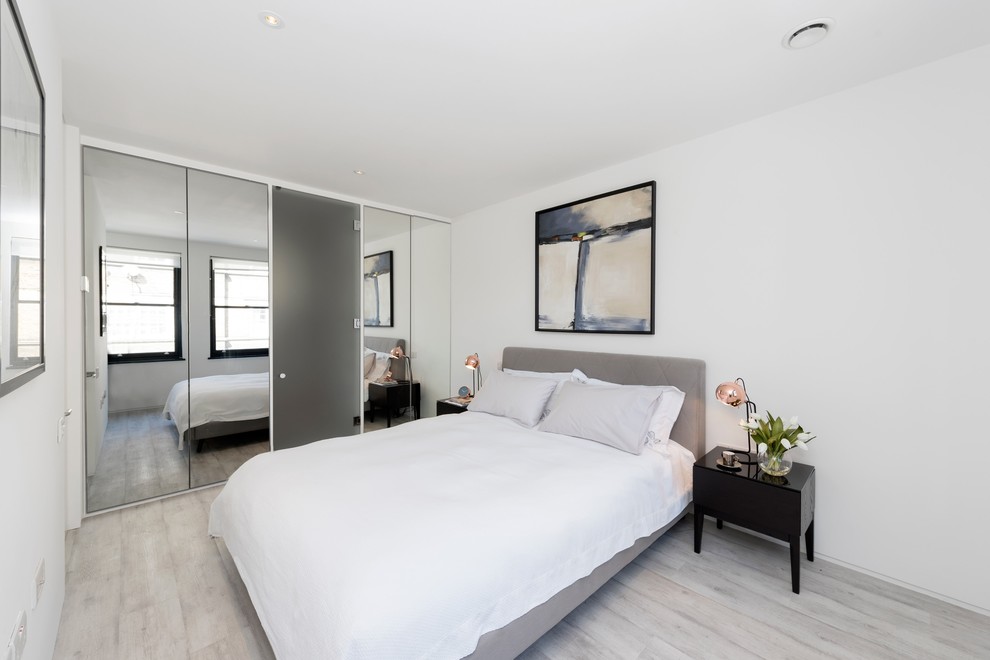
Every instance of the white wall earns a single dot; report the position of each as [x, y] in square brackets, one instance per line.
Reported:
[834, 255]
[97, 387]
[32, 471]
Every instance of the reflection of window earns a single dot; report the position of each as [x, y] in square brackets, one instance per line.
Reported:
[25, 322]
[238, 308]
[142, 300]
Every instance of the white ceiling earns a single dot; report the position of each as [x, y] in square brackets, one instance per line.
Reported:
[451, 105]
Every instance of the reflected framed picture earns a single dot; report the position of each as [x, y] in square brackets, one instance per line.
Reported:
[22, 214]
[595, 263]
[378, 309]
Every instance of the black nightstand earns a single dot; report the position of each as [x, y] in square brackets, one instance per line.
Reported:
[781, 507]
[448, 407]
[392, 396]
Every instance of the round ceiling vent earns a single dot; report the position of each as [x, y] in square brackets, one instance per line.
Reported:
[808, 34]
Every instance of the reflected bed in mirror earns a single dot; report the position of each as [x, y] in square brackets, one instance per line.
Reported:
[22, 141]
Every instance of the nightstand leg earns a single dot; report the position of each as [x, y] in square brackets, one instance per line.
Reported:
[718, 523]
[809, 541]
[795, 540]
[699, 525]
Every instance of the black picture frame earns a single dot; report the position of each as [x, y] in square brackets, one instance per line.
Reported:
[596, 263]
[24, 186]
[379, 284]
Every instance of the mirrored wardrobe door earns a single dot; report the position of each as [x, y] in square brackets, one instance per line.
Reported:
[391, 386]
[228, 324]
[430, 309]
[136, 331]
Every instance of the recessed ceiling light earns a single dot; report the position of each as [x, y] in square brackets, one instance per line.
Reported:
[271, 19]
[808, 34]
[359, 172]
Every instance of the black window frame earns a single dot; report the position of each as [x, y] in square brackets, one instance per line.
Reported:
[157, 356]
[231, 352]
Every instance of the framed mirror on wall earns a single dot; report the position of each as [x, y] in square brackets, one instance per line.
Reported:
[22, 166]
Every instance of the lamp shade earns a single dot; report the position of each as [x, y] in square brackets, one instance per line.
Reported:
[397, 352]
[472, 361]
[731, 394]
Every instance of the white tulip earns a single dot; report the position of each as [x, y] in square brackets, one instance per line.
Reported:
[762, 449]
[786, 443]
[752, 426]
[804, 436]
[792, 424]
[800, 443]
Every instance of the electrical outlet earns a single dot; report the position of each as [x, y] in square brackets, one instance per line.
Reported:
[39, 584]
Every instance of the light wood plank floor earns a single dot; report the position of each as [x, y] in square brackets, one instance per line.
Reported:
[147, 582]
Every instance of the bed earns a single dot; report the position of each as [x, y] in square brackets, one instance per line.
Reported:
[464, 535]
[221, 405]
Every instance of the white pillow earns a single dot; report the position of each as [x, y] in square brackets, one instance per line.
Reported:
[520, 398]
[382, 361]
[669, 408]
[615, 416]
[560, 376]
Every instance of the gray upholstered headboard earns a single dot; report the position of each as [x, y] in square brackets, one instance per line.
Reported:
[385, 345]
[686, 374]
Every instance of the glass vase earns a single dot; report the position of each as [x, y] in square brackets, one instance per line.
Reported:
[774, 464]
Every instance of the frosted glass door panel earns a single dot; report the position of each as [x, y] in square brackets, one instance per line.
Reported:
[316, 357]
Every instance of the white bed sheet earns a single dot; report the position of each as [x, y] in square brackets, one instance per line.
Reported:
[226, 398]
[414, 541]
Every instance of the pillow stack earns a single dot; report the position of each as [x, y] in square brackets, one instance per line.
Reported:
[626, 417]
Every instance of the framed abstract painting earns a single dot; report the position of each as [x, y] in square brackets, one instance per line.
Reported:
[595, 263]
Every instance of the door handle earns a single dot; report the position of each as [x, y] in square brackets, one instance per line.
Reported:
[93, 374]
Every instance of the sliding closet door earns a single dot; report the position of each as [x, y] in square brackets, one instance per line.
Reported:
[315, 347]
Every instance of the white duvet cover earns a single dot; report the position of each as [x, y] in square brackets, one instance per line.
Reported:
[227, 398]
[414, 541]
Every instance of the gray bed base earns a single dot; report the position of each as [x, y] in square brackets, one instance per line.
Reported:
[689, 431]
[198, 434]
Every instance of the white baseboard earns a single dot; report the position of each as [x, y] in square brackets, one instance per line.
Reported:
[866, 571]
[906, 585]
